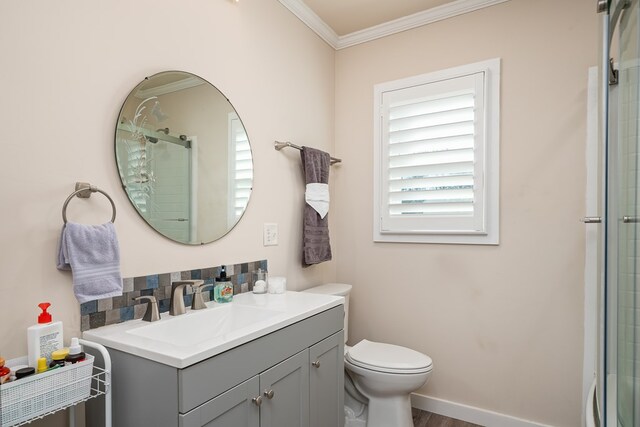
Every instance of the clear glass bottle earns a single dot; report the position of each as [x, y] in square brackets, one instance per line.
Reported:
[260, 286]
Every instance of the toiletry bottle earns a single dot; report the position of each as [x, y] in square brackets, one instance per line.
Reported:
[223, 291]
[43, 338]
[75, 352]
[5, 373]
[17, 368]
[24, 372]
[42, 365]
[58, 357]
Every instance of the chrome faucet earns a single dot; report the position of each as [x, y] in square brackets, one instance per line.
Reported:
[152, 314]
[198, 302]
[177, 299]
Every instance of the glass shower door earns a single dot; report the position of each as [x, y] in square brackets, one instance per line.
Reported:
[170, 201]
[625, 221]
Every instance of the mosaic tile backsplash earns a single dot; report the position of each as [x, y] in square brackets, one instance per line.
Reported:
[109, 311]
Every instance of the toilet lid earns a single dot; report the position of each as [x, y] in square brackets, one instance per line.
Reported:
[388, 358]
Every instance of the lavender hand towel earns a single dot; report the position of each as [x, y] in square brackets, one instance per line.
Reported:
[316, 247]
[92, 254]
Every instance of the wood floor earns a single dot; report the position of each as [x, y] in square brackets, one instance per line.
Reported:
[429, 419]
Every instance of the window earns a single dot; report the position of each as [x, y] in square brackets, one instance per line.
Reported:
[241, 167]
[436, 157]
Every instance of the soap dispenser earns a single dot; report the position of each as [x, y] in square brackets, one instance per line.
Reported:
[223, 291]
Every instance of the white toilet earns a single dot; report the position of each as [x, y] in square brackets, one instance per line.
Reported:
[384, 375]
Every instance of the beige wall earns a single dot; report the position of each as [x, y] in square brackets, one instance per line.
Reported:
[503, 324]
[67, 67]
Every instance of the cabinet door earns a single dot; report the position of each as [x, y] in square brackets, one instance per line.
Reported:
[235, 407]
[285, 393]
[326, 382]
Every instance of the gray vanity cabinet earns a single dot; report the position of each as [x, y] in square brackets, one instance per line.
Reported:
[285, 393]
[326, 382]
[305, 390]
[277, 397]
[235, 407]
[272, 381]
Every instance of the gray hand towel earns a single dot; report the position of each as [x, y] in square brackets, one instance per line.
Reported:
[92, 254]
[316, 247]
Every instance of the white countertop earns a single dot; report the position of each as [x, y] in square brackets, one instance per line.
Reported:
[181, 341]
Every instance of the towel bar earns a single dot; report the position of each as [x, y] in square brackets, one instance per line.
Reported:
[84, 190]
[280, 145]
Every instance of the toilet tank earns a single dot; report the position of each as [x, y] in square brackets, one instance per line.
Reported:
[339, 289]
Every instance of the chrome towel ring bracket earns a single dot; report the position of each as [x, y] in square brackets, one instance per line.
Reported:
[84, 190]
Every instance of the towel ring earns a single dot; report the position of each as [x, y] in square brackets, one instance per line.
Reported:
[84, 191]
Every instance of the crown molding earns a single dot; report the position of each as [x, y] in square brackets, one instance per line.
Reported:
[439, 13]
[187, 83]
[313, 21]
[419, 19]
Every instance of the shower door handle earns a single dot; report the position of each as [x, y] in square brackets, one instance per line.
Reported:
[630, 219]
[591, 220]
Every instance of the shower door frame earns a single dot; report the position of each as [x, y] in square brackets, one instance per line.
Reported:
[613, 119]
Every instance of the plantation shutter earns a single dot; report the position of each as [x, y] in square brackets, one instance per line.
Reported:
[432, 157]
[242, 168]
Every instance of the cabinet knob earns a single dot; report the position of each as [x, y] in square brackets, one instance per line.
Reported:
[269, 394]
[316, 363]
[257, 400]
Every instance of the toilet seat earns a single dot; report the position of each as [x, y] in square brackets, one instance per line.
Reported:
[388, 358]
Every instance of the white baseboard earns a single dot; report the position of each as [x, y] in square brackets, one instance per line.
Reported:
[469, 414]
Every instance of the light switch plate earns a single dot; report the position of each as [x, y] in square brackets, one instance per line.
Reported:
[270, 236]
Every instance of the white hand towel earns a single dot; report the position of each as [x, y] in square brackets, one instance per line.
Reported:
[317, 196]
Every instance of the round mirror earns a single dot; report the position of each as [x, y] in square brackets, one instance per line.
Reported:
[184, 157]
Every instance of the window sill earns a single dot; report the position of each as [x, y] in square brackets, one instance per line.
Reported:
[454, 239]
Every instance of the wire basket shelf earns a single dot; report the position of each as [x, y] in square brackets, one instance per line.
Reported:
[38, 396]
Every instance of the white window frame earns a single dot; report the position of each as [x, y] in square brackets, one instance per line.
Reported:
[485, 229]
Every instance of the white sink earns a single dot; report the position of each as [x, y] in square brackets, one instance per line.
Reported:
[181, 341]
[203, 325]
